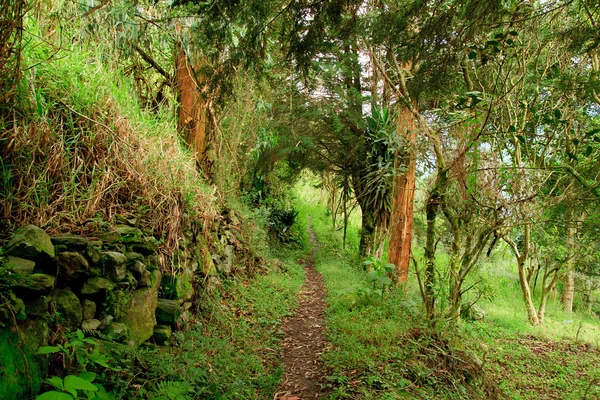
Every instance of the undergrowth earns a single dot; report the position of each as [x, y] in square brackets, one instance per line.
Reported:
[381, 347]
[231, 352]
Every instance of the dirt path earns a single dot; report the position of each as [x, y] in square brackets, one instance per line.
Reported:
[305, 339]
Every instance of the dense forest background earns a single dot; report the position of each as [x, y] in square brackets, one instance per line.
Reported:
[446, 153]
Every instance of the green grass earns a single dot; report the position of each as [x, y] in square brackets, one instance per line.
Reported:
[380, 347]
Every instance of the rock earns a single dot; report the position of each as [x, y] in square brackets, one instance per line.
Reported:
[19, 265]
[151, 262]
[76, 243]
[132, 257]
[93, 254]
[12, 309]
[141, 316]
[162, 333]
[147, 246]
[129, 234]
[106, 321]
[90, 324]
[168, 311]
[69, 308]
[473, 313]
[118, 303]
[72, 266]
[224, 261]
[137, 269]
[177, 286]
[113, 264]
[31, 243]
[89, 309]
[35, 282]
[129, 282]
[38, 307]
[97, 285]
[145, 279]
[109, 237]
[117, 331]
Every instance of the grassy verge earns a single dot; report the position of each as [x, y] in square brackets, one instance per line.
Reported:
[381, 349]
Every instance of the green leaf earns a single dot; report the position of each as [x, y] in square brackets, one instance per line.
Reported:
[75, 382]
[499, 35]
[492, 43]
[55, 381]
[48, 350]
[88, 376]
[576, 142]
[512, 129]
[513, 33]
[592, 132]
[521, 138]
[80, 334]
[589, 150]
[472, 55]
[54, 395]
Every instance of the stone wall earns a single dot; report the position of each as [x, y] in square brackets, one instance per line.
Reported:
[111, 284]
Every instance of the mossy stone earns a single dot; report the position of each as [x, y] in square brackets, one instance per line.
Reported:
[141, 316]
[73, 243]
[129, 234]
[89, 309]
[12, 309]
[114, 264]
[96, 286]
[117, 331]
[38, 307]
[18, 265]
[35, 282]
[32, 243]
[69, 308]
[109, 237]
[90, 324]
[162, 333]
[168, 311]
[72, 266]
[118, 303]
[179, 286]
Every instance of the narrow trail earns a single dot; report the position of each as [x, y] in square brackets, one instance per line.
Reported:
[304, 340]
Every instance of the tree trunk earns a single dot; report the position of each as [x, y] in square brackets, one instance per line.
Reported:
[191, 122]
[401, 219]
[568, 292]
[525, 289]
[367, 235]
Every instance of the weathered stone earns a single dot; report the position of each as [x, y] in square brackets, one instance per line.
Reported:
[93, 254]
[109, 237]
[145, 279]
[151, 262]
[117, 331]
[19, 265]
[72, 266]
[69, 308]
[118, 303]
[37, 307]
[473, 313]
[129, 282]
[132, 257]
[113, 264]
[31, 243]
[76, 243]
[137, 269]
[129, 234]
[141, 317]
[89, 309]
[35, 282]
[168, 311]
[147, 246]
[90, 324]
[106, 321]
[162, 333]
[178, 286]
[224, 261]
[97, 285]
[12, 309]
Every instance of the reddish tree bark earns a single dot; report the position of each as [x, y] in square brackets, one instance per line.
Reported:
[191, 122]
[401, 219]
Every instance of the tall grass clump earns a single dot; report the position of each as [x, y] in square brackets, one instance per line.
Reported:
[79, 150]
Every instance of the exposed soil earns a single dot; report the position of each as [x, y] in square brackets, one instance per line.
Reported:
[304, 340]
